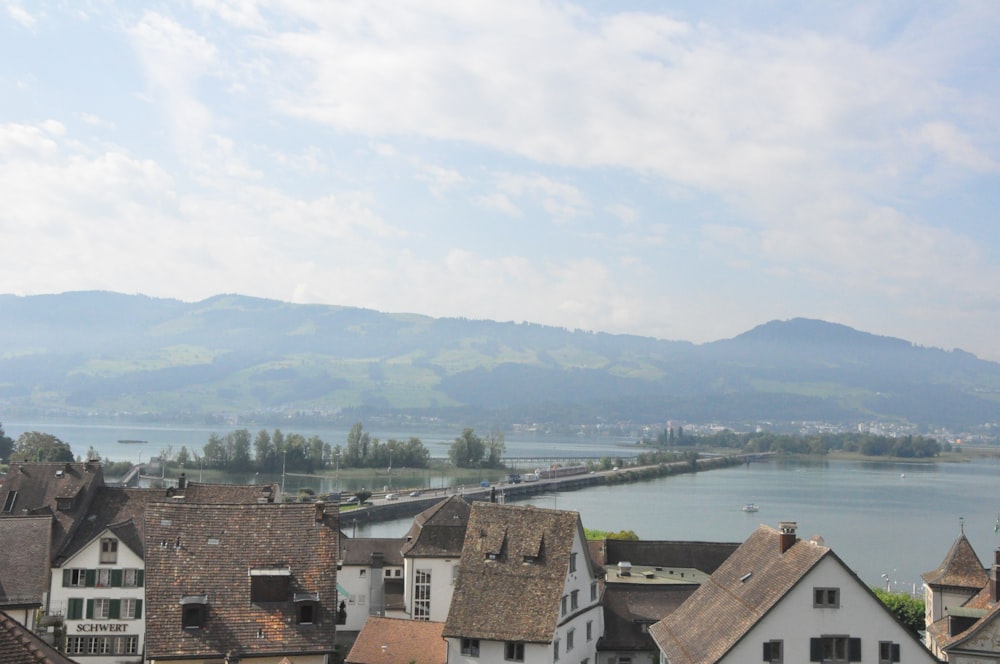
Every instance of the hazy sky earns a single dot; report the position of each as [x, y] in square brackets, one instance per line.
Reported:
[684, 170]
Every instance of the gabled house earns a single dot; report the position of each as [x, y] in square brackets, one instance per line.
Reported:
[962, 603]
[526, 589]
[399, 641]
[240, 582]
[370, 576]
[431, 552]
[781, 599]
[645, 581]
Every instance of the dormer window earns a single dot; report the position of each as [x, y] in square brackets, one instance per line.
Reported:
[8, 503]
[572, 562]
[306, 608]
[194, 610]
[270, 585]
[109, 551]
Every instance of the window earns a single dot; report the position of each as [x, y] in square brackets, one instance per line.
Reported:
[109, 550]
[75, 645]
[388, 572]
[555, 650]
[130, 645]
[774, 651]
[362, 572]
[102, 645]
[565, 604]
[569, 639]
[193, 611]
[454, 574]
[102, 608]
[574, 600]
[826, 598]
[593, 591]
[131, 578]
[270, 585]
[422, 595]
[888, 652]
[74, 578]
[470, 647]
[8, 503]
[625, 660]
[131, 608]
[834, 649]
[307, 611]
[572, 562]
[590, 630]
[513, 651]
[103, 578]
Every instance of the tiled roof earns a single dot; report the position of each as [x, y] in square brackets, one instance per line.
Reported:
[627, 608]
[438, 531]
[985, 626]
[703, 556]
[39, 486]
[961, 568]
[209, 551]
[396, 641]
[24, 550]
[744, 588]
[359, 551]
[506, 598]
[20, 646]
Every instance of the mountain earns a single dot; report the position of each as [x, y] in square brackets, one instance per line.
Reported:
[109, 353]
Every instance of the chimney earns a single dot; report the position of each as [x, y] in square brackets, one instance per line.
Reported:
[320, 508]
[493, 494]
[786, 537]
[182, 482]
[994, 586]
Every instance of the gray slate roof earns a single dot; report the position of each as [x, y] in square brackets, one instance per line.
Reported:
[729, 604]
[507, 599]
[438, 531]
[24, 552]
[208, 550]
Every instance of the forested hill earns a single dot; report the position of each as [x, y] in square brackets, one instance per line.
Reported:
[90, 352]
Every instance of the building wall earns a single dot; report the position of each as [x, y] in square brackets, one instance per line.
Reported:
[494, 651]
[442, 572]
[794, 621]
[94, 634]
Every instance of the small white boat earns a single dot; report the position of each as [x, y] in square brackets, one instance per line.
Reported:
[750, 507]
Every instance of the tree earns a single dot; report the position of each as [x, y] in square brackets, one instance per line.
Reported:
[495, 449]
[6, 444]
[362, 496]
[40, 447]
[263, 450]
[467, 450]
[909, 610]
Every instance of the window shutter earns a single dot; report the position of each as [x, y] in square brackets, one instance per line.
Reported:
[116, 578]
[815, 650]
[91, 578]
[854, 649]
[767, 651]
[66, 574]
[115, 608]
[90, 609]
[138, 609]
[74, 609]
[895, 652]
[139, 574]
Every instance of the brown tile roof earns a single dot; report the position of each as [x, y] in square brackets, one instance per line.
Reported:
[627, 608]
[221, 494]
[396, 641]
[734, 601]
[506, 599]
[24, 541]
[209, 550]
[360, 550]
[438, 531]
[39, 488]
[703, 556]
[19, 646]
[984, 627]
[961, 568]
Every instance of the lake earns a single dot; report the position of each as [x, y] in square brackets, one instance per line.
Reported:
[882, 518]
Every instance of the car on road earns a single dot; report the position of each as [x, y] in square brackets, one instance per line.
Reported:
[414, 494]
[392, 496]
[351, 500]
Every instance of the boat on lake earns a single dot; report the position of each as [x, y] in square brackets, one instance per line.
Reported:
[750, 507]
[133, 442]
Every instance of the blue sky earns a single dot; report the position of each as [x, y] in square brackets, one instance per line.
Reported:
[679, 170]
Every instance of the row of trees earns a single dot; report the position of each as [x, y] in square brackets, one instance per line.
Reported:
[34, 446]
[763, 441]
[472, 451]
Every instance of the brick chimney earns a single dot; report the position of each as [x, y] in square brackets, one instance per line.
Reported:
[182, 482]
[994, 589]
[786, 536]
[320, 511]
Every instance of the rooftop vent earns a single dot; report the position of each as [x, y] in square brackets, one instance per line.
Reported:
[624, 568]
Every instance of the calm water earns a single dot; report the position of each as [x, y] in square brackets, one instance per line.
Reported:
[894, 519]
[881, 518]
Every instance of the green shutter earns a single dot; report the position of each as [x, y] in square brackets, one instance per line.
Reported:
[815, 650]
[90, 609]
[139, 577]
[138, 609]
[66, 578]
[116, 578]
[115, 608]
[854, 649]
[74, 610]
[91, 578]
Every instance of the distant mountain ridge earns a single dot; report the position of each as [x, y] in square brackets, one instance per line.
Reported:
[87, 352]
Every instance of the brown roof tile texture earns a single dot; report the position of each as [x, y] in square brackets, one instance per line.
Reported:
[194, 549]
[960, 568]
[397, 641]
[24, 541]
[438, 531]
[508, 599]
[20, 646]
[735, 605]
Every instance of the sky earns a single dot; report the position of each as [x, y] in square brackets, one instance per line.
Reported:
[681, 170]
